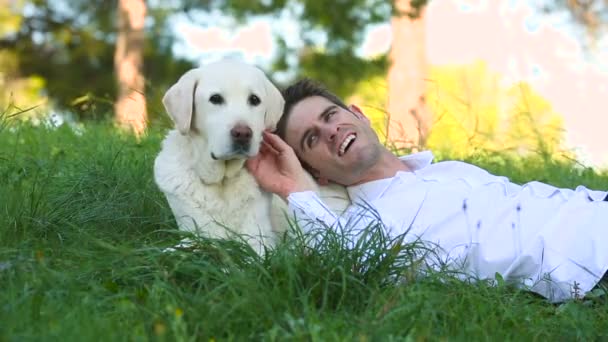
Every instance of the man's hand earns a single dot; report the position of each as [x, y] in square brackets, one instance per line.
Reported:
[277, 169]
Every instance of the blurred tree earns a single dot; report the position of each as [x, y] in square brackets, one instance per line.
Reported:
[467, 101]
[63, 46]
[330, 31]
[14, 88]
[130, 106]
[71, 46]
[592, 15]
[476, 111]
[409, 119]
[19, 93]
[532, 123]
[335, 62]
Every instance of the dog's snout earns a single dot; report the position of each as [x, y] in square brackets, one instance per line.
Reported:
[241, 134]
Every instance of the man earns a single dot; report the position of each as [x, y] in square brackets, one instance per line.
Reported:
[553, 241]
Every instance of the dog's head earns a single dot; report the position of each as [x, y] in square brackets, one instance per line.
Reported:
[228, 103]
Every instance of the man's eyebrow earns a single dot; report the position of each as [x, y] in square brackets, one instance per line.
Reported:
[320, 117]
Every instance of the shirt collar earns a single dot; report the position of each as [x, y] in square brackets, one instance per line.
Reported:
[372, 190]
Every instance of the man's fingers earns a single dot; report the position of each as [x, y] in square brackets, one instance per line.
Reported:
[266, 147]
[252, 163]
[277, 143]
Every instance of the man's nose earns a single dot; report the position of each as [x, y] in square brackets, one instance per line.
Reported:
[331, 132]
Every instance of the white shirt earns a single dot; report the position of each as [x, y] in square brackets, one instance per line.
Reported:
[553, 241]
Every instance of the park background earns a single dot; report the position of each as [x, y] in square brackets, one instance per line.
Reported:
[514, 87]
[460, 77]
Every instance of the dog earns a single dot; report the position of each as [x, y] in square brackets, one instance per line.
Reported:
[220, 111]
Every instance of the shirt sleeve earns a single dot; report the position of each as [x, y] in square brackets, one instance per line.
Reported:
[311, 214]
[307, 205]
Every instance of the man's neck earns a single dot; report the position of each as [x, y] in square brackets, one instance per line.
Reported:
[387, 166]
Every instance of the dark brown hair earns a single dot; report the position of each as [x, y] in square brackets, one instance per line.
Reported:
[299, 91]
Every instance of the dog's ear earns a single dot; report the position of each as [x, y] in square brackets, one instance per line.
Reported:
[179, 101]
[274, 105]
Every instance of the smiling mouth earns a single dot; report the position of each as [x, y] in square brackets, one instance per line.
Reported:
[346, 144]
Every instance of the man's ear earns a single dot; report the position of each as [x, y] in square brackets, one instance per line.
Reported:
[179, 100]
[274, 105]
[359, 113]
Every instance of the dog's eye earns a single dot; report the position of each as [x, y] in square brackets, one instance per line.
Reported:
[254, 100]
[216, 99]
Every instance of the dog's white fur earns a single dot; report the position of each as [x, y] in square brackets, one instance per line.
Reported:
[199, 170]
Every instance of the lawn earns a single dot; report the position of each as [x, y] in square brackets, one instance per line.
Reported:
[83, 226]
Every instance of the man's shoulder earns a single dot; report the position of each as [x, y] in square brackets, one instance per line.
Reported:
[417, 161]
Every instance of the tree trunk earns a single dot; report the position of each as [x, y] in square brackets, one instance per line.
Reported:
[130, 105]
[409, 119]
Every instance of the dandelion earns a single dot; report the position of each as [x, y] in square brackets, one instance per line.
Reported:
[159, 328]
[39, 256]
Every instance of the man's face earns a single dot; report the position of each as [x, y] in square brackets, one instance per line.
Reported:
[339, 144]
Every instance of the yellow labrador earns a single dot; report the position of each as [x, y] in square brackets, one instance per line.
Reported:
[219, 111]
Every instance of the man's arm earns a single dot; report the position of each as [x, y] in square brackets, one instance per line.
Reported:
[278, 170]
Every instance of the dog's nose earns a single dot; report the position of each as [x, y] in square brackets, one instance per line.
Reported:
[241, 134]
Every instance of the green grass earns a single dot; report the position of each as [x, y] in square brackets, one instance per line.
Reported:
[82, 228]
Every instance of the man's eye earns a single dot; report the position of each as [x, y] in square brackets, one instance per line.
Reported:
[312, 139]
[329, 115]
